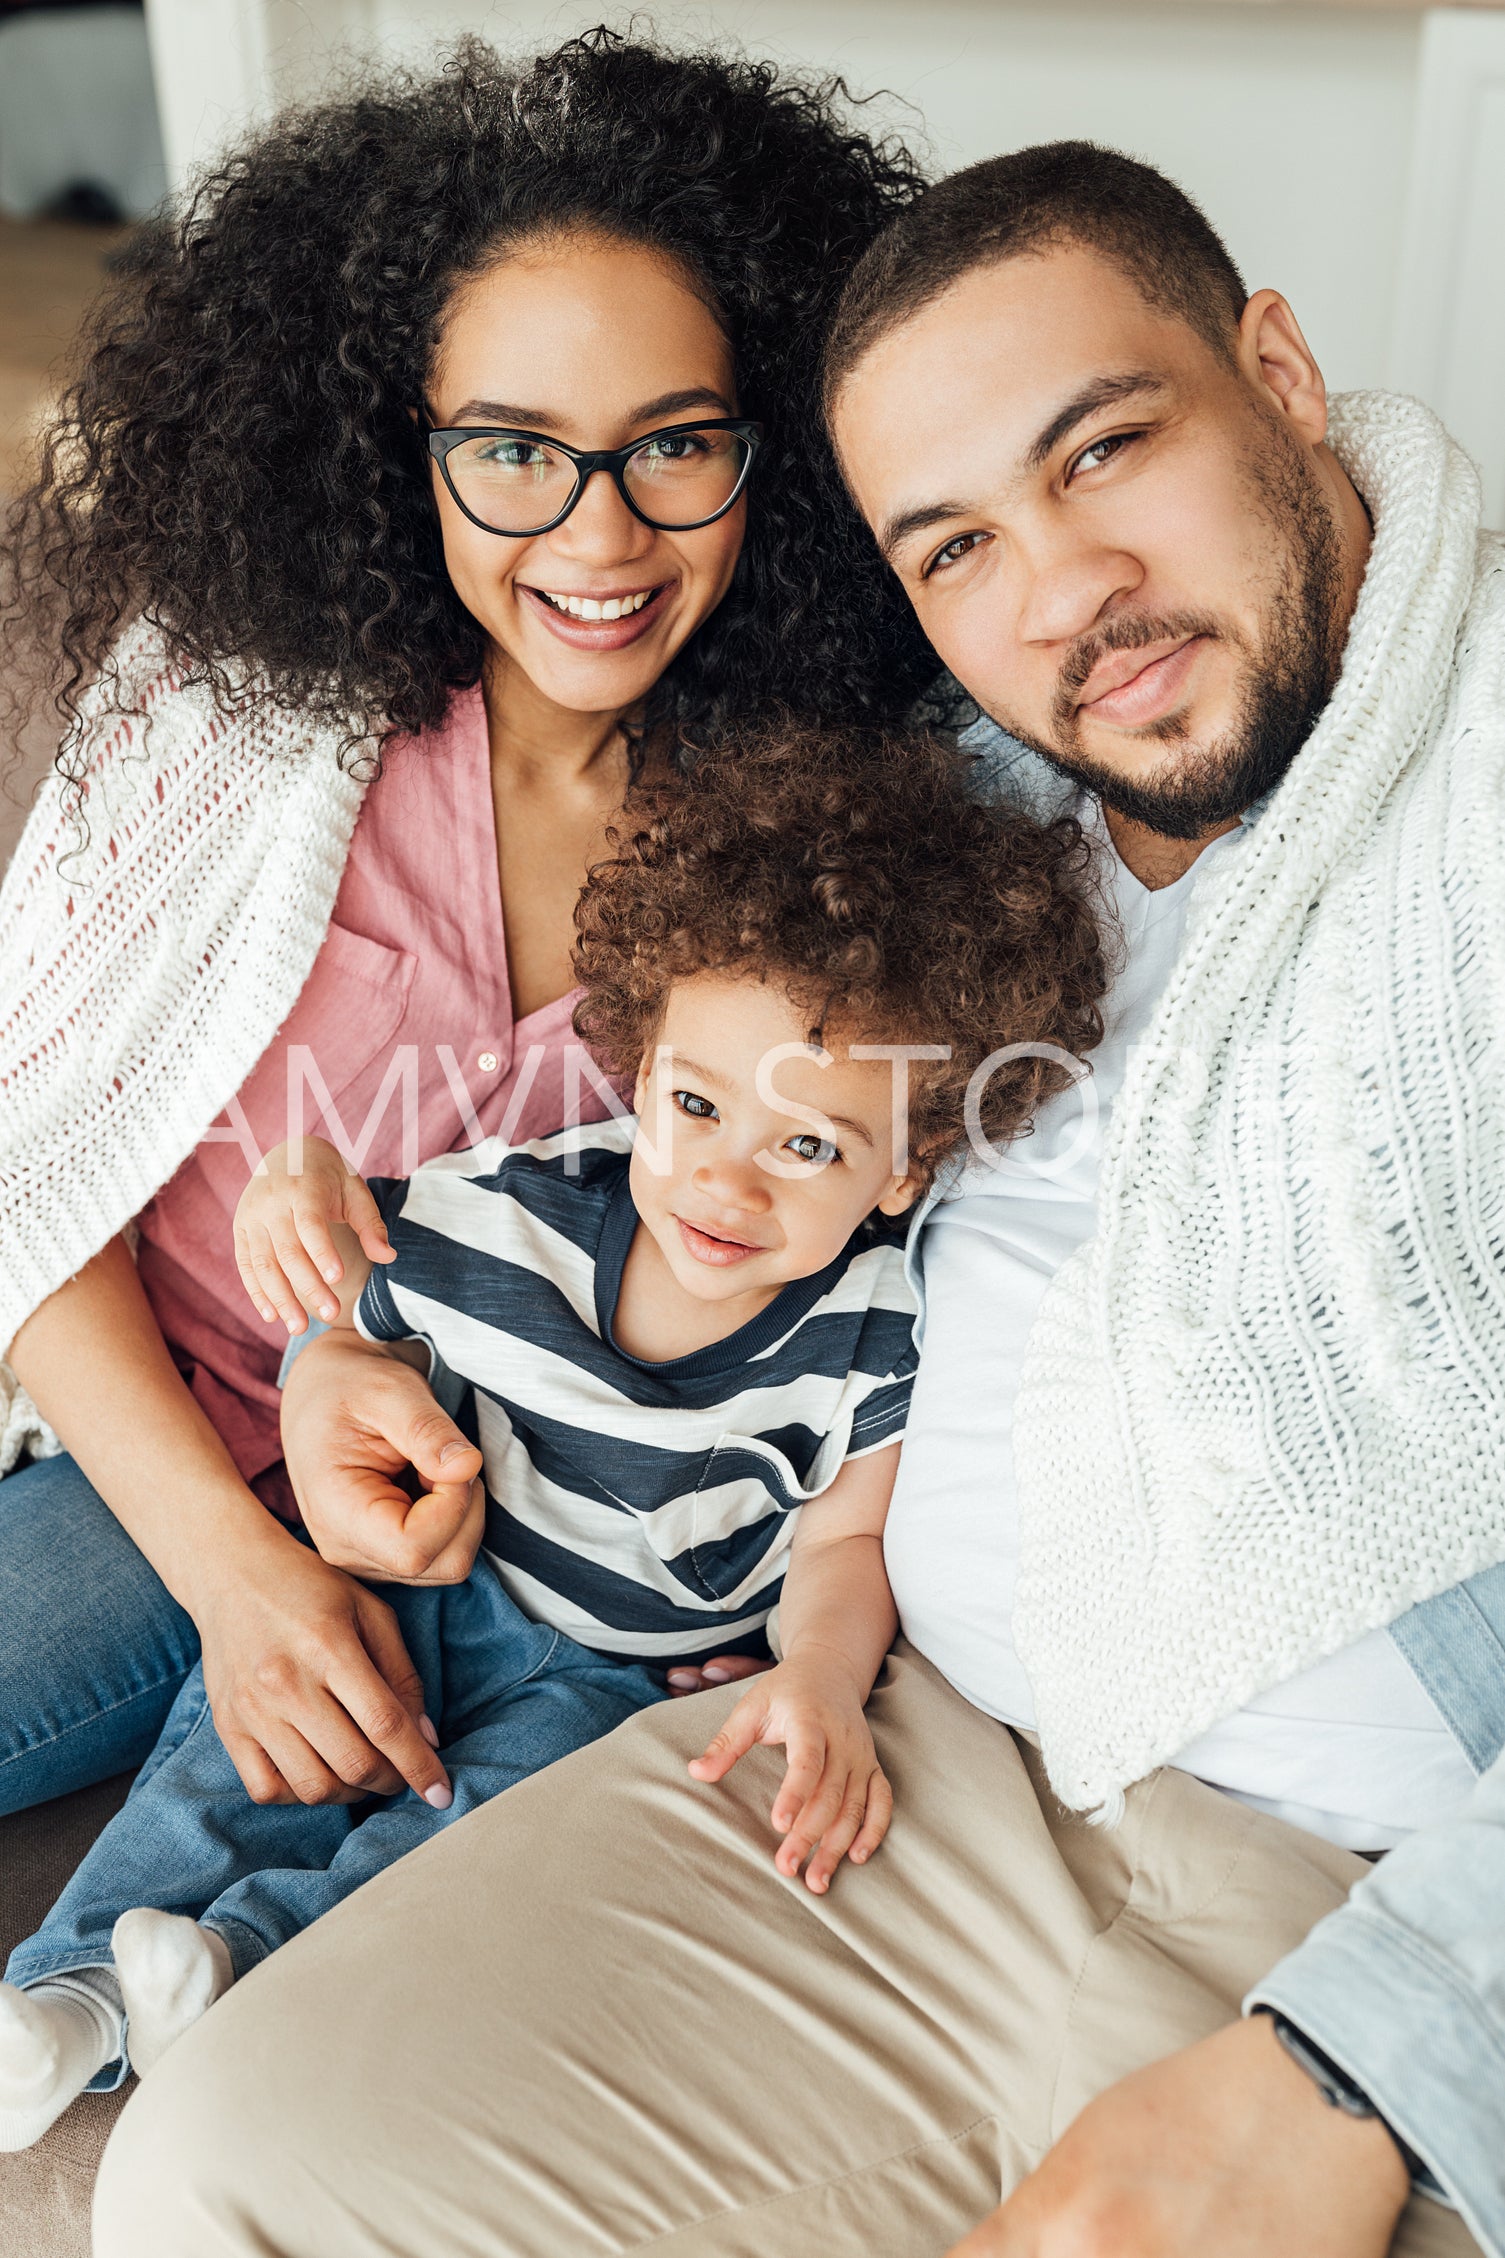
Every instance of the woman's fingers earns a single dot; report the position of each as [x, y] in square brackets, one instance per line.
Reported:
[386, 1701]
[260, 1777]
[722, 1669]
[740, 1733]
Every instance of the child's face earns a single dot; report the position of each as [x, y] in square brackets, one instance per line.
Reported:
[749, 1193]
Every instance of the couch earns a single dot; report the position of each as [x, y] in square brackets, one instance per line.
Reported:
[44, 2193]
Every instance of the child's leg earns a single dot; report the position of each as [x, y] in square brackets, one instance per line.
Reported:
[508, 1695]
[187, 1830]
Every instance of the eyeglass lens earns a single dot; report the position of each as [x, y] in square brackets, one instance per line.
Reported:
[516, 485]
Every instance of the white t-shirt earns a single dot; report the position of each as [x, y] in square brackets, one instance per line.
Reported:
[1354, 1749]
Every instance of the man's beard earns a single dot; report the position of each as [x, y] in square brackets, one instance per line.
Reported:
[1287, 678]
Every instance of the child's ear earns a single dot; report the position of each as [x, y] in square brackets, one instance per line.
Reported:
[640, 1086]
[902, 1193]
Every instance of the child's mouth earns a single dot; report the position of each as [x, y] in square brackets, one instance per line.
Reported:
[709, 1247]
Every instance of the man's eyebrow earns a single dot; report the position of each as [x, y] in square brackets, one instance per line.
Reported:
[904, 524]
[667, 405]
[1099, 393]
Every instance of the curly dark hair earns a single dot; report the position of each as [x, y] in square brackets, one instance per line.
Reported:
[235, 458]
[862, 871]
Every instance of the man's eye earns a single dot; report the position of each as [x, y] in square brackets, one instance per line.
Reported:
[1103, 450]
[952, 554]
[697, 1107]
[818, 1151]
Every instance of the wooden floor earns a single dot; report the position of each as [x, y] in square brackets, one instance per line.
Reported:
[48, 273]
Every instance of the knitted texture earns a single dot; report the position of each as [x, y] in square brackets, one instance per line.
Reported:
[1263, 1410]
[147, 958]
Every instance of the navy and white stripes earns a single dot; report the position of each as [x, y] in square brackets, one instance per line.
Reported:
[645, 1509]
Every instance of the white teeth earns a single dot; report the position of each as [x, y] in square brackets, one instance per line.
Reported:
[591, 607]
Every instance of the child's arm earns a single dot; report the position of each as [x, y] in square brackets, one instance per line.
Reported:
[306, 1234]
[837, 1622]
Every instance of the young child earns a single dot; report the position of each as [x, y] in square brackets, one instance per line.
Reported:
[689, 1352]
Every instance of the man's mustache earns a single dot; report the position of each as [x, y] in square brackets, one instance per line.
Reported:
[1128, 631]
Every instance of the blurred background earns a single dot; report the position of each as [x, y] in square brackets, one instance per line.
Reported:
[1352, 152]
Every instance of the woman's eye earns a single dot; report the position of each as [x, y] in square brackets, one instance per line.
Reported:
[1103, 451]
[697, 1107]
[512, 454]
[953, 553]
[818, 1151]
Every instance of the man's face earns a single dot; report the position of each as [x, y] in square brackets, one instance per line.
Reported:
[1113, 536]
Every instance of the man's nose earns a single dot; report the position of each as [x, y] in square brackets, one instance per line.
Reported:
[1070, 580]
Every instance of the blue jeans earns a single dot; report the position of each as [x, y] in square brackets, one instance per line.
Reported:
[93, 1648]
[507, 1695]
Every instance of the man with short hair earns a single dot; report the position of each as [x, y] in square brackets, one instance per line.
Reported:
[1199, 1535]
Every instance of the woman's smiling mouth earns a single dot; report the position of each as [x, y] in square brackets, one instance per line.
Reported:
[604, 621]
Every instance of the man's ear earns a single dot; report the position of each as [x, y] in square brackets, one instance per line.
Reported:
[902, 1193]
[1276, 358]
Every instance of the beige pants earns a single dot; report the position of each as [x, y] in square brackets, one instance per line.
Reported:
[593, 2020]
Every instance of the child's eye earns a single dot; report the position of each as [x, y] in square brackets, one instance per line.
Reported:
[818, 1151]
[697, 1107]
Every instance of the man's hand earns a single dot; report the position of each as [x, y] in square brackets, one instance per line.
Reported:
[354, 1419]
[835, 1802]
[1225, 2150]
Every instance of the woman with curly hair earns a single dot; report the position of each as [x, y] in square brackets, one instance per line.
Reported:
[452, 456]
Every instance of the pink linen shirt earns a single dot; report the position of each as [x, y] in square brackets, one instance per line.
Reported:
[401, 1045]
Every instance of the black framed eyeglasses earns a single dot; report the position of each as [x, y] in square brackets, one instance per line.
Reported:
[522, 482]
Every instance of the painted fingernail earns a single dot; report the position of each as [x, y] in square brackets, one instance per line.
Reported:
[440, 1797]
[426, 1727]
[715, 1677]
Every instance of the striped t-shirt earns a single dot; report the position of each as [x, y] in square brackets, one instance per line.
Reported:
[647, 1509]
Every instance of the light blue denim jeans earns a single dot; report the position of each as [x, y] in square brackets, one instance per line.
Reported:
[507, 1695]
[93, 1648]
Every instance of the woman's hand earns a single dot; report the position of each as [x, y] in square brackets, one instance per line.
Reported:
[835, 1802]
[721, 1670]
[313, 1692]
[355, 1417]
[284, 1250]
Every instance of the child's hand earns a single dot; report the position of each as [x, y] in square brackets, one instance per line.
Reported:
[283, 1248]
[835, 1802]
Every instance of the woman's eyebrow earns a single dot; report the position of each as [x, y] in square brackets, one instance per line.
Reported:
[515, 418]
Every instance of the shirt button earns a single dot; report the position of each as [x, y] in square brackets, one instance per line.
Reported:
[487, 1062]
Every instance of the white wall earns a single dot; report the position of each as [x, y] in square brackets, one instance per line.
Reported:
[1293, 125]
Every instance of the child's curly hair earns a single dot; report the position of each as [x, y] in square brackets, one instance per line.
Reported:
[862, 871]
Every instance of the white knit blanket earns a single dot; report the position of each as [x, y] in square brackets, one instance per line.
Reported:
[144, 972]
[1263, 1410]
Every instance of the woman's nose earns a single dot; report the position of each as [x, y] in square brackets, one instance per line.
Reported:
[601, 529]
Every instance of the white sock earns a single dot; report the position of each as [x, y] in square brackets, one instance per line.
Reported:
[170, 1972]
[55, 2037]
